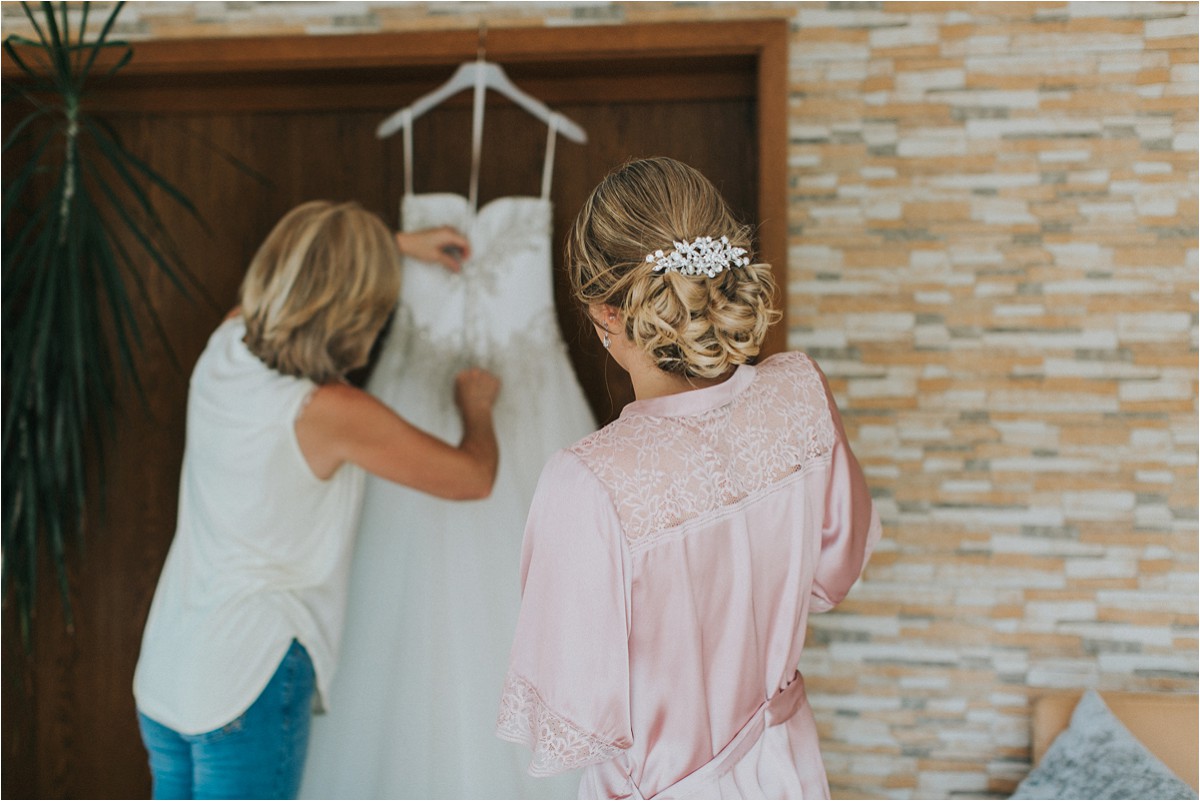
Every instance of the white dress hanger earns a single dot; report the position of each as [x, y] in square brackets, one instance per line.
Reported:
[492, 76]
[480, 75]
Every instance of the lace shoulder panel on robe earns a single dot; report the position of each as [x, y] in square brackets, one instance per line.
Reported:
[664, 471]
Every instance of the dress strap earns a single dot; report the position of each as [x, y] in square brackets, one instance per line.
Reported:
[477, 146]
[548, 167]
[476, 139]
[406, 121]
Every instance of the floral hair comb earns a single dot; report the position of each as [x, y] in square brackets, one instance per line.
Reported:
[703, 256]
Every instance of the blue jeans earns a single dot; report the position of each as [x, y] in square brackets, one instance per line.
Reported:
[259, 754]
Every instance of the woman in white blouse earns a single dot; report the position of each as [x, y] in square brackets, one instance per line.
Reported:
[246, 619]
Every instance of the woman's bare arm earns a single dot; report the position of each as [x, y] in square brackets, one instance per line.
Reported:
[344, 424]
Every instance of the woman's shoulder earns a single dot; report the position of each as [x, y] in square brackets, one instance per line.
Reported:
[225, 351]
[788, 362]
[567, 476]
[228, 376]
[795, 370]
[794, 396]
[619, 441]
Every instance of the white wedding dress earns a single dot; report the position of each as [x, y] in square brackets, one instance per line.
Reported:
[434, 590]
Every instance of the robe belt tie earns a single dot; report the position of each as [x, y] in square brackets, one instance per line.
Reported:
[773, 712]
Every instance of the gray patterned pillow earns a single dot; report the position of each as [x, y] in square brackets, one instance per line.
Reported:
[1097, 758]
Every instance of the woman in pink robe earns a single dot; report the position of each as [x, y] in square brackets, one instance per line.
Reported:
[672, 558]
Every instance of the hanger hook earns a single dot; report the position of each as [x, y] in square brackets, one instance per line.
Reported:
[482, 41]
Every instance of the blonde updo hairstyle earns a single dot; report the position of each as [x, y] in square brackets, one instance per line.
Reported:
[691, 326]
[319, 290]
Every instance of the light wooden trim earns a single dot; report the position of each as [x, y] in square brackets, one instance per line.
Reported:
[365, 51]
[772, 100]
[1165, 723]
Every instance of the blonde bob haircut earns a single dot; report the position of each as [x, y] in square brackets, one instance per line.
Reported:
[692, 326]
[319, 290]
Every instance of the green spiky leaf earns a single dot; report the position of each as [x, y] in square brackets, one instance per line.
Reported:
[78, 218]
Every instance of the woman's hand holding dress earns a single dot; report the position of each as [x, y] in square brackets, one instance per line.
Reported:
[443, 245]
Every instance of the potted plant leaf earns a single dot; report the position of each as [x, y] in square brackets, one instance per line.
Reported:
[80, 229]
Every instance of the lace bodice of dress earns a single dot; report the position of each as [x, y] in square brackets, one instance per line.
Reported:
[504, 289]
[498, 313]
[663, 471]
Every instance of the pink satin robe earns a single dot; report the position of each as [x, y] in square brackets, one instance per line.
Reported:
[670, 562]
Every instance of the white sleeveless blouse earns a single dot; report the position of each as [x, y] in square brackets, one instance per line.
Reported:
[261, 549]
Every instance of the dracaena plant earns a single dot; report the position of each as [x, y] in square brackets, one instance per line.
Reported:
[81, 234]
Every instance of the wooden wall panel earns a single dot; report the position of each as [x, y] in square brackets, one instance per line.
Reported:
[71, 732]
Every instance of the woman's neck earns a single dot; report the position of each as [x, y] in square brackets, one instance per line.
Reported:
[650, 382]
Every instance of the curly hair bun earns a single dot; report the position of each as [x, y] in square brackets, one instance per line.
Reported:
[693, 326]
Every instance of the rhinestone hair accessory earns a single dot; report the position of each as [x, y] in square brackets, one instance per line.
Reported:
[703, 256]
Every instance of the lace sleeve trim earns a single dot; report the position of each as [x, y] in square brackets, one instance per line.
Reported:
[557, 744]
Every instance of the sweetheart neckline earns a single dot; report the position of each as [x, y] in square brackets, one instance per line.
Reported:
[466, 201]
